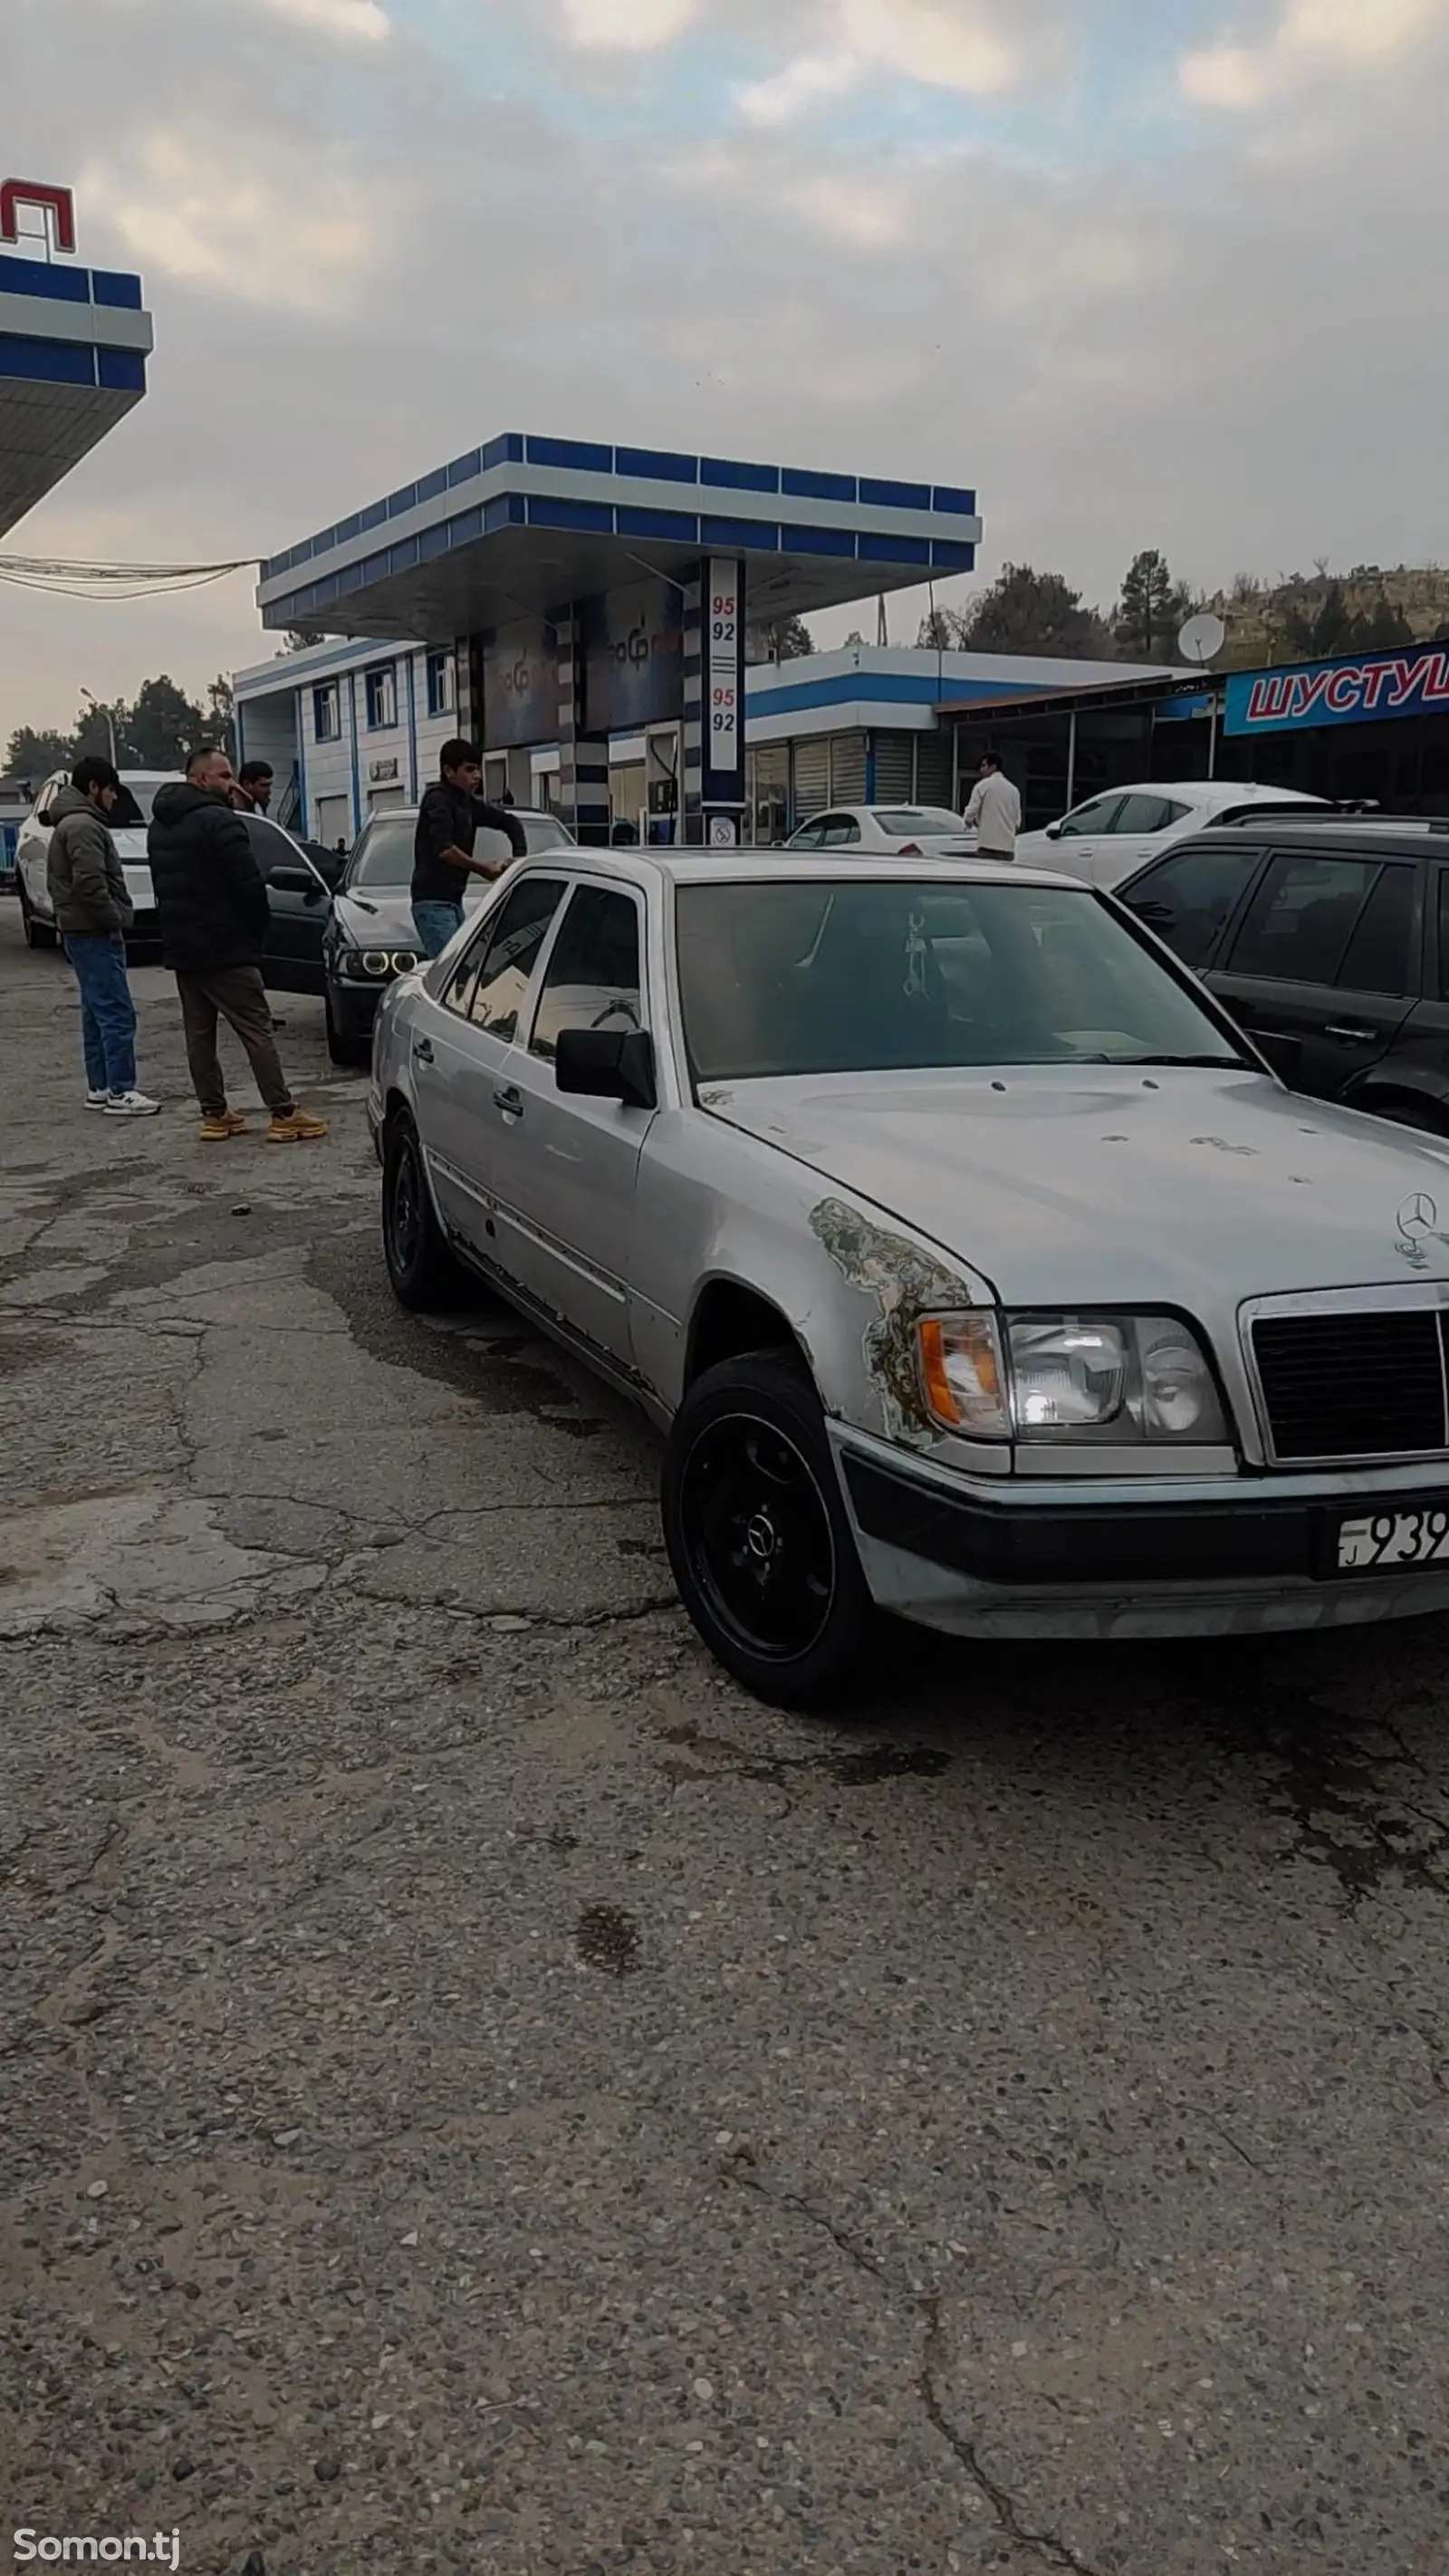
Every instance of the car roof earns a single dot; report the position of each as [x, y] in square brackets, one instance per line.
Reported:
[1415, 836]
[797, 867]
[390, 813]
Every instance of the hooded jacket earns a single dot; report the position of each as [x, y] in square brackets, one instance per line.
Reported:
[83, 871]
[210, 897]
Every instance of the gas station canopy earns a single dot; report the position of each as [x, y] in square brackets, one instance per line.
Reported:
[524, 526]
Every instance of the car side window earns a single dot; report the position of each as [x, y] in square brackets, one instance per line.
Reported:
[1147, 814]
[1189, 898]
[1099, 816]
[496, 993]
[808, 836]
[1377, 957]
[1444, 934]
[593, 979]
[838, 831]
[1301, 919]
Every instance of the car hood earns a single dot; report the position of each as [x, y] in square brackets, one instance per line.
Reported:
[1105, 1184]
[382, 916]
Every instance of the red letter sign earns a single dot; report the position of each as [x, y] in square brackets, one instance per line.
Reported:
[15, 193]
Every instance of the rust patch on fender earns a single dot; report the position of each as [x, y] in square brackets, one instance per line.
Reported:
[906, 1283]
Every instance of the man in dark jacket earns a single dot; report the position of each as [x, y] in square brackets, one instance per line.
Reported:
[449, 820]
[214, 916]
[93, 913]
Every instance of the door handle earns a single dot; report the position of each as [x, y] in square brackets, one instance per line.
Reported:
[510, 1100]
[1353, 1031]
[423, 1050]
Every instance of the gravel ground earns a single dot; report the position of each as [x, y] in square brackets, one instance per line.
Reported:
[480, 2094]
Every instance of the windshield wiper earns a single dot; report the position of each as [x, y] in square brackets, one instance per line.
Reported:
[1221, 1060]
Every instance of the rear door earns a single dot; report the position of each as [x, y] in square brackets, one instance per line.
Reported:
[1325, 959]
[461, 1045]
[1139, 819]
[1193, 893]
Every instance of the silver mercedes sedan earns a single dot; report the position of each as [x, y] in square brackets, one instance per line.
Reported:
[974, 1264]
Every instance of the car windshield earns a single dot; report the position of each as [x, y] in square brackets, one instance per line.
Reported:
[386, 856]
[927, 822]
[844, 977]
[132, 808]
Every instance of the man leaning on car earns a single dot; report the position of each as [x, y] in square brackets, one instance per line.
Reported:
[449, 820]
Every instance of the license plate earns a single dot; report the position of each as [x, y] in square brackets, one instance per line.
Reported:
[1381, 1541]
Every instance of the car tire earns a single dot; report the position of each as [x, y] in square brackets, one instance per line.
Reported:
[425, 1273]
[759, 1539]
[38, 933]
[341, 1047]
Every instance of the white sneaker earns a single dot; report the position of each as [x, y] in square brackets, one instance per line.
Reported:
[98, 1099]
[130, 1104]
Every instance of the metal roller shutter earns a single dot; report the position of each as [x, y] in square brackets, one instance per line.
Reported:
[933, 769]
[812, 779]
[847, 769]
[895, 768]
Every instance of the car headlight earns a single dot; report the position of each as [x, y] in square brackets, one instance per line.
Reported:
[374, 965]
[1113, 1379]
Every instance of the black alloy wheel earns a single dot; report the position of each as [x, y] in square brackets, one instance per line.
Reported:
[758, 1536]
[425, 1274]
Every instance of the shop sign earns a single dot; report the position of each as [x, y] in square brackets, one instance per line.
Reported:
[56, 204]
[1411, 682]
[382, 773]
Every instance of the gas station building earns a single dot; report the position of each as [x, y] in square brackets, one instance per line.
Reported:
[567, 598]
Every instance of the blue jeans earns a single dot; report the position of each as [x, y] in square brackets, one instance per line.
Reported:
[435, 924]
[108, 1014]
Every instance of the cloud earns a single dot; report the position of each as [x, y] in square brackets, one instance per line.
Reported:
[803, 84]
[231, 208]
[356, 21]
[1311, 37]
[634, 26]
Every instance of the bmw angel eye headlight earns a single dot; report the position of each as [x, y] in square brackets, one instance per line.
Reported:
[1112, 1379]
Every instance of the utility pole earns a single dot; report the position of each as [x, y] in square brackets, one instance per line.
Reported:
[93, 701]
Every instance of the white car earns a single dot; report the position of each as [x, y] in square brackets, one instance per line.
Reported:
[1112, 836]
[888, 831]
[128, 820]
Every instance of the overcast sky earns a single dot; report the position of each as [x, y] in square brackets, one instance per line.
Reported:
[1145, 272]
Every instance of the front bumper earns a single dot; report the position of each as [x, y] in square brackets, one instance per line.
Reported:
[1154, 1558]
[354, 1006]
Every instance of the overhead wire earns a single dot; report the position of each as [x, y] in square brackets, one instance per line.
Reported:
[66, 579]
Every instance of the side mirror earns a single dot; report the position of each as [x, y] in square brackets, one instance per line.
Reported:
[295, 881]
[607, 1064]
[1054, 831]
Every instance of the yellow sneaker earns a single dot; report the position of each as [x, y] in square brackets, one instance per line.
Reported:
[296, 1129]
[216, 1131]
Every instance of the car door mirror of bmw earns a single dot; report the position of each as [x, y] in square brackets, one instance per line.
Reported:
[607, 1064]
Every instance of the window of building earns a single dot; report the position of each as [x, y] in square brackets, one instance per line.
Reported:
[440, 684]
[382, 698]
[327, 712]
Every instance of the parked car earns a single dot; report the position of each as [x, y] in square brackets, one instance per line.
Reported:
[905, 831]
[1329, 943]
[370, 937]
[128, 820]
[975, 1264]
[1110, 836]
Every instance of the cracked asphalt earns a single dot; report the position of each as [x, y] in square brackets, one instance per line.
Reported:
[480, 2094]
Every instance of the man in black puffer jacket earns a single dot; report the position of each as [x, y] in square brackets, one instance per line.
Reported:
[213, 913]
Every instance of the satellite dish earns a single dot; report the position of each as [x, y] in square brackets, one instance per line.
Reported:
[1202, 638]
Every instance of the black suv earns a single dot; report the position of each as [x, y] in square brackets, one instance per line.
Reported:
[1328, 942]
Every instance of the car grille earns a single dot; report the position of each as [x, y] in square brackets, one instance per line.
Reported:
[1353, 1385]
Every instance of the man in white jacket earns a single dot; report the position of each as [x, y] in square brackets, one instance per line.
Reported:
[995, 809]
